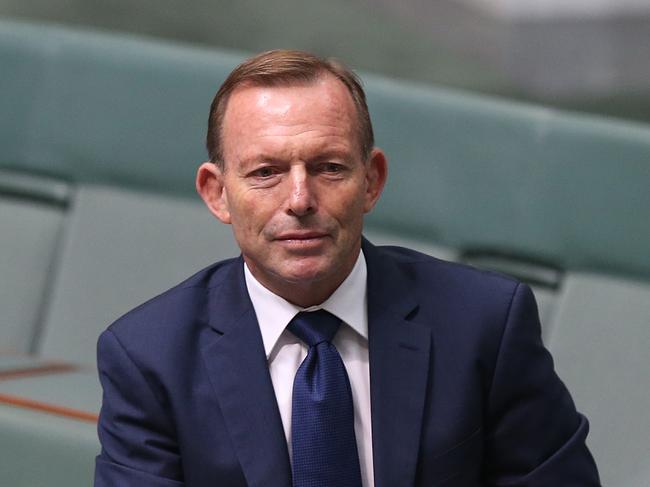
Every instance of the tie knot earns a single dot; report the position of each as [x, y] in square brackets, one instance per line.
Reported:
[314, 327]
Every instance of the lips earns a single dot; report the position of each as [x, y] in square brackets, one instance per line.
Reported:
[302, 242]
[311, 235]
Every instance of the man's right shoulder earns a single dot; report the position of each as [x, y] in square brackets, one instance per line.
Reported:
[182, 304]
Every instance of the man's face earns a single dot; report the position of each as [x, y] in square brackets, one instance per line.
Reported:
[295, 187]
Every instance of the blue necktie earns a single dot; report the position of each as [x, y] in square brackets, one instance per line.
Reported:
[322, 419]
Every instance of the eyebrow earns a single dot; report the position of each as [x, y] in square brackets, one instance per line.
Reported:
[320, 155]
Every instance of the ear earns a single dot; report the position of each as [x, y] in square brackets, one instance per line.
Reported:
[210, 186]
[376, 174]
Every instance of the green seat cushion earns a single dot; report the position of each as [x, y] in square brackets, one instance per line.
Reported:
[600, 343]
[45, 450]
[31, 219]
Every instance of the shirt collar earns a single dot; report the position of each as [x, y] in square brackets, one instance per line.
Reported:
[347, 302]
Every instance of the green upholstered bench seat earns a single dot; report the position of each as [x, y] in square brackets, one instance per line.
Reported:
[466, 171]
[32, 214]
[45, 450]
[482, 174]
[600, 346]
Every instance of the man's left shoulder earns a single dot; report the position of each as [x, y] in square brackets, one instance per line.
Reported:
[454, 298]
[432, 273]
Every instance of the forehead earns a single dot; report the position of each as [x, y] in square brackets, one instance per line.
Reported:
[255, 110]
[329, 88]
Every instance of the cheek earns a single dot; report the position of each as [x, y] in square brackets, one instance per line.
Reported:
[250, 216]
[350, 210]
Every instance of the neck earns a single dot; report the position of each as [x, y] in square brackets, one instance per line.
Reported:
[306, 295]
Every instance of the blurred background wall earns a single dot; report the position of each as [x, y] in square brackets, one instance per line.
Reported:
[585, 55]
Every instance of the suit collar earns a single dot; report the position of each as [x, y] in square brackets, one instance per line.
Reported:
[386, 280]
[236, 365]
[400, 357]
[227, 291]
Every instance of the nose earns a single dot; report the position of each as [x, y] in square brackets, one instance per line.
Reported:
[301, 195]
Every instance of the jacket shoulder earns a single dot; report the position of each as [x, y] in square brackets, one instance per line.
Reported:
[450, 275]
[180, 304]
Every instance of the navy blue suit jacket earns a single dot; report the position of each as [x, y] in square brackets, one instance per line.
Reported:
[463, 392]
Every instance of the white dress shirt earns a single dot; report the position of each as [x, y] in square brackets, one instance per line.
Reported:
[285, 352]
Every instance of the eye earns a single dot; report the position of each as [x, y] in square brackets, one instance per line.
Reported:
[264, 172]
[331, 167]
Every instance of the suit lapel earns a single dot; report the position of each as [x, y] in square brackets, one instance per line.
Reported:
[236, 364]
[399, 365]
[399, 353]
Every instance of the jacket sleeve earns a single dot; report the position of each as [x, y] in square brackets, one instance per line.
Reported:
[535, 436]
[135, 431]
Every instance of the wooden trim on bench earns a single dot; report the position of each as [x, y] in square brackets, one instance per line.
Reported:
[48, 408]
[40, 369]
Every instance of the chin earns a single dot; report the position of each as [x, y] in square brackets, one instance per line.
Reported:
[303, 275]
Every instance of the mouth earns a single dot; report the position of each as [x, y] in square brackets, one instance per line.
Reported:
[307, 239]
[300, 235]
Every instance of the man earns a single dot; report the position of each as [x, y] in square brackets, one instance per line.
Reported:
[433, 373]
